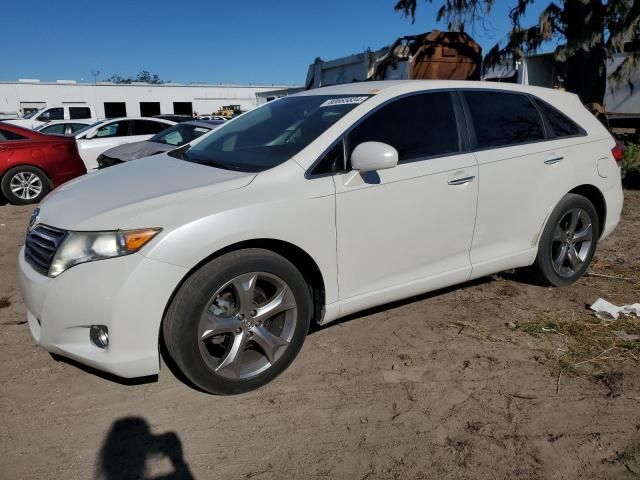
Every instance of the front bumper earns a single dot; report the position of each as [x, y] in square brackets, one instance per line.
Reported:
[126, 294]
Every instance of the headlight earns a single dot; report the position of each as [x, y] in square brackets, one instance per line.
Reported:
[81, 247]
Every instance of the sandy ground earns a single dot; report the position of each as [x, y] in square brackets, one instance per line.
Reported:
[435, 387]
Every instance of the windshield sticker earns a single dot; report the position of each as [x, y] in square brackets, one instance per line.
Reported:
[201, 130]
[343, 101]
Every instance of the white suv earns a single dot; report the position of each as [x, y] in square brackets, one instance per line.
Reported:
[310, 208]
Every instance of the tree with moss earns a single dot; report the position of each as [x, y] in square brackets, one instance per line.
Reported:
[585, 32]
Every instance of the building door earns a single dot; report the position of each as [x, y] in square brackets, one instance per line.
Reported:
[115, 109]
[182, 108]
[149, 109]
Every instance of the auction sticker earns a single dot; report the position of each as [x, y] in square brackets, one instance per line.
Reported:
[343, 101]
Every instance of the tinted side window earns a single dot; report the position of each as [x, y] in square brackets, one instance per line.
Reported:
[58, 128]
[561, 125]
[502, 118]
[116, 129]
[52, 114]
[79, 112]
[417, 126]
[7, 136]
[74, 127]
[145, 127]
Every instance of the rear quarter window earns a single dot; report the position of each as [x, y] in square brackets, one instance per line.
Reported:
[7, 136]
[561, 125]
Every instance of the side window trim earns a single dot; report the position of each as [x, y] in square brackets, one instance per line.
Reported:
[461, 125]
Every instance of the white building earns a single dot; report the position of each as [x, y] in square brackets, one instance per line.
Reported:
[118, 100]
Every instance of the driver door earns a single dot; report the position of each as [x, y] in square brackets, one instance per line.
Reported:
[407, 229]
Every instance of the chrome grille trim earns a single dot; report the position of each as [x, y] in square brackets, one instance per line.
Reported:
[41, 246]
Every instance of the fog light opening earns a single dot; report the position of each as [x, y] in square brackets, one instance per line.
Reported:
[99, 336]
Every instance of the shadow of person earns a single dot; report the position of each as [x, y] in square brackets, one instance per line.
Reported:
[130, 445]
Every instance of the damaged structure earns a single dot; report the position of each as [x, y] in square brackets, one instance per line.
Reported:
[432, 55]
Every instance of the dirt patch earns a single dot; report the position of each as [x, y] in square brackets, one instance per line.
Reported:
[461, 383]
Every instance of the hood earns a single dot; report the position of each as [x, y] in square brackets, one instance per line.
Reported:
[135, 150]
[151, 192]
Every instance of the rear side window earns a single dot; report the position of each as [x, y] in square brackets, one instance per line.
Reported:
[7, 136]
[503, 119]
[79, 112]
[417, 126]
[147, 127]
[561, 125]
[58, 128]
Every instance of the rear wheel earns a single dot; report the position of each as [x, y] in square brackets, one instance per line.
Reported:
[568, 241]
[24, 184]
[238, 321]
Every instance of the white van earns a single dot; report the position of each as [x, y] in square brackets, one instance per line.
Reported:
[55, 112]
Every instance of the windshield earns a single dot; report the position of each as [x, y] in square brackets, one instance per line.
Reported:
[179, 134]
[270, 135]
[31, 114]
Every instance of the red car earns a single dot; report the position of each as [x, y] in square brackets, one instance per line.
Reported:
[32, 163]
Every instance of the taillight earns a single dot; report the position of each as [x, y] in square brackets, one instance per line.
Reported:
[618, 151]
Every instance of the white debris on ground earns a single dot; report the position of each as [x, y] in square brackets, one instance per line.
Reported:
[608, 311]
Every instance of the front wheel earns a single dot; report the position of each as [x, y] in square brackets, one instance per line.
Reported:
[238, 321]
[24, 184]
[568, 241]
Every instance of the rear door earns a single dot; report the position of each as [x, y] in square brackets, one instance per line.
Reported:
[522, 176]
[407, 229]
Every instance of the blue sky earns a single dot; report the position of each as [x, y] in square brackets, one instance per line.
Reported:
[210, 41]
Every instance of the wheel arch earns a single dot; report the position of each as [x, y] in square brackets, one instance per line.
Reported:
[39, 167]
[296, 255]
[595, 196]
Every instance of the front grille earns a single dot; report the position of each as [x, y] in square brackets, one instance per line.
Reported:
[41, 246]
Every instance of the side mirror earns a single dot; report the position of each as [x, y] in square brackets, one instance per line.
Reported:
[45, 117]
[91, 135]
[370, 156]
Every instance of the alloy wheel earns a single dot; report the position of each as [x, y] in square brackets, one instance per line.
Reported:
[26, 185]
[571, 242]
[247, 325]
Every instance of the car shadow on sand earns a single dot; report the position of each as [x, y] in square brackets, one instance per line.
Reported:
[130, 451]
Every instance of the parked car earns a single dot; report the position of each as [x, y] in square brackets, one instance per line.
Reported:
[174, 117]
[166, 140]
[63, 127]
[55, 112]
[101, 136]
[32, 163]
[310, 208]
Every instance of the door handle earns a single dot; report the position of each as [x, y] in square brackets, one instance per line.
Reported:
[553, 160]
[461, 180]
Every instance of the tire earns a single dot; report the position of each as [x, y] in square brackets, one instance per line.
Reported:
[568, 241]
[24, 184]
[250, 301]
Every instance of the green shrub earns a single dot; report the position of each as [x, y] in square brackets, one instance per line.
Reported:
[631, 160]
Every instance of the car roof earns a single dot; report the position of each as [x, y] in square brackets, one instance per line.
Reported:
[199, 123]
[153, 119]
[379, 86]
[71, 120]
